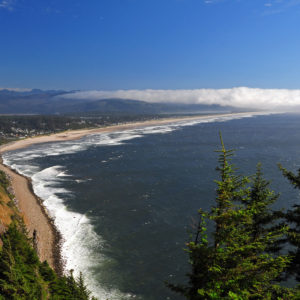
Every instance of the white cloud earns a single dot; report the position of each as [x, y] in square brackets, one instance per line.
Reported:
[274, 7]
[7, 4]
[270, 7]
[241, 97]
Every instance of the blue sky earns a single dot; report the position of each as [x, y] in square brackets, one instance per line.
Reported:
[149, 44]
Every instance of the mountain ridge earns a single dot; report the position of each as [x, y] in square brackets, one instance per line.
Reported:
[38, 101]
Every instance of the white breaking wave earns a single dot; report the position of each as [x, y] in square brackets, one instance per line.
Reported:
[79, 240]
[110, 139]
[79, 237]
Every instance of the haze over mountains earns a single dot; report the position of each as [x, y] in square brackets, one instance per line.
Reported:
[60, 102]
[148, 101]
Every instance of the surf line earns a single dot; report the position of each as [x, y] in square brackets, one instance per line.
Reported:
[31, 206]
[36, 218]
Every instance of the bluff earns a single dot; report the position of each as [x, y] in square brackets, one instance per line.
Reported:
[22, 274]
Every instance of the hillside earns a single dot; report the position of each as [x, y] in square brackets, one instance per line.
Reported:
[52, 102]
[7, 206]
[22, 274]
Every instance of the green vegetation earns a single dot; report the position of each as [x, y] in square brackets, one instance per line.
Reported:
[244, 257]
[13, 127]
[293, 218]
[4, 183]
[22, 275]
[7, 206]
[241, 259]
[5, 140]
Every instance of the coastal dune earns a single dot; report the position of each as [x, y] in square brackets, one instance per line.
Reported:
[35, 215]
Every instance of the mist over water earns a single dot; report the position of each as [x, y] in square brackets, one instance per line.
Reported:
[124, 201]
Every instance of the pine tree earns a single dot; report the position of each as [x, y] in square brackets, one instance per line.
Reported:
[231, 188]
[265, 221]
[293, 218]
[234, 264]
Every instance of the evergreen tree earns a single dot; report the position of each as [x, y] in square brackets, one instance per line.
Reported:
[23, 276]
[230, 188]
[293, 217]
[234, 264]
[265, 221]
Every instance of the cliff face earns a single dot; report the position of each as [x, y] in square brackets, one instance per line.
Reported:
[7, 206]
[5, 210]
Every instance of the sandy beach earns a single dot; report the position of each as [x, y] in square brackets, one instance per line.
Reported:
[77, 134]
[35, 218]
[35, 215]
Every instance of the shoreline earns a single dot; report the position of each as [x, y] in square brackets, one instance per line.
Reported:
[58, 263]
[77, 134]
[36, 217]
[31, 206]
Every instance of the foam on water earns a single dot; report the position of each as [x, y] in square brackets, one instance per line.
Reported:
[81, 246]
[109, 139]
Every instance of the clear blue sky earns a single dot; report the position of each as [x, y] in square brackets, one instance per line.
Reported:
[158, 44]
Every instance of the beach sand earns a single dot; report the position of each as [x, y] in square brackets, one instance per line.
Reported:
[35, 215]
[35, 218]
[77, 134]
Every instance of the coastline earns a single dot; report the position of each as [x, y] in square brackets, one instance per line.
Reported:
[34, 213]
[77, 134]
[36, 218]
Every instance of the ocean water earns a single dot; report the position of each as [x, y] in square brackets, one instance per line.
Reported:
[124, 201]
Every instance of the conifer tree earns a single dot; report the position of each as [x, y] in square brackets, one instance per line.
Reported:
[265, 221]
[293, 218]
[23, 276]
[232, 265]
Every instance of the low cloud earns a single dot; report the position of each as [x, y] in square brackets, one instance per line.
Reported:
[241, 97]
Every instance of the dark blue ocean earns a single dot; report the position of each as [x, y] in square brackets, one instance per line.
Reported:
[124, 201]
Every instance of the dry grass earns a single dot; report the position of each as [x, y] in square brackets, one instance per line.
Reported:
[5, 210]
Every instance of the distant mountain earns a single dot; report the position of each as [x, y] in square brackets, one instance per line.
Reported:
[16, 93]
[49, 102]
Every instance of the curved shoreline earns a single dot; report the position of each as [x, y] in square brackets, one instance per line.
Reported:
[77, 134]
[58, 263]
[36, 218]
[31, 206]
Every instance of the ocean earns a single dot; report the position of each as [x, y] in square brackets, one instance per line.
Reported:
[124, 201]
